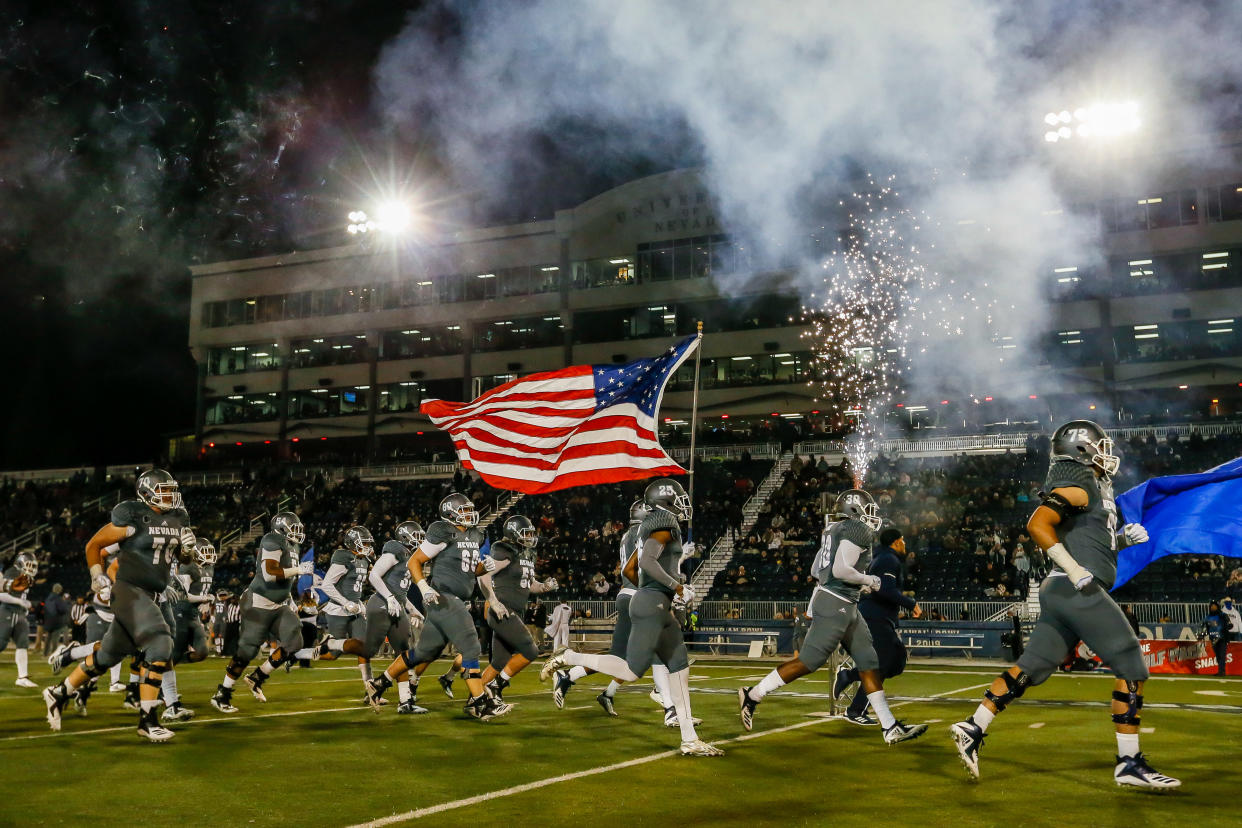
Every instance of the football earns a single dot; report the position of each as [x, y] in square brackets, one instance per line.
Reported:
[19, 584]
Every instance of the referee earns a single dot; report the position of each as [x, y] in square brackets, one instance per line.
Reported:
[879, 610]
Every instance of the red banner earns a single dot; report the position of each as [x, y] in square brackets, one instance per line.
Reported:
[1191, 657]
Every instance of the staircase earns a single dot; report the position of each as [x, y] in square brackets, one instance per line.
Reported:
[722, 551]
[1032, 599]
[504, 505]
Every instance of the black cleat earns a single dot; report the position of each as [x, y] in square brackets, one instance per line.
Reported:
[446, 682]
[746, 708]
[560, 688]
[223, 699]
[605, 701]
[55, 698]
[131, 700]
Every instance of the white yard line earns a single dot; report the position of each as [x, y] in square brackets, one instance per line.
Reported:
[67, 734]
[569, 777]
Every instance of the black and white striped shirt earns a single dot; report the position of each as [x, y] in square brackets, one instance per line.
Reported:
[232, 614]
[77, 613]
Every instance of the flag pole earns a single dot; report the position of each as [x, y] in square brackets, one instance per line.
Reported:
[694, 424]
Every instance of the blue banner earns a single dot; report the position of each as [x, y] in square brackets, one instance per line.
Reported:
[305, 582]
[1185, 514]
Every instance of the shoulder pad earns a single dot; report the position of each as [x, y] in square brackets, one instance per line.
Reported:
[124, 514]
[273, 540]
[856, 532]
[395, 548]
[1069, 473]
[442, 532]
[658, 520]
[341, 556]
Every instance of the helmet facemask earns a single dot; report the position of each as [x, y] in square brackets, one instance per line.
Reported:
[205, 553]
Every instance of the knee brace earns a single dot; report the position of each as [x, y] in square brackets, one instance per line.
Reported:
[1015, 686]
[471, 668]
[1133, 702]
[157, 667]
[91, 666]
[236, 667]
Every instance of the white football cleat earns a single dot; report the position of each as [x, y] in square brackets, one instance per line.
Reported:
[556, 662]
[256, 688]
[55, 699]
[116, 687]
[59, 658]
[177, 712]
[1133, 771]
[968, 738]
[698, 747]
[902, 732]
[24, 681]
[155, 732]
[655, 696]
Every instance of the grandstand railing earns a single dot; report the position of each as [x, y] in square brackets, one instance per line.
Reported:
[31, 536]
[759, 451]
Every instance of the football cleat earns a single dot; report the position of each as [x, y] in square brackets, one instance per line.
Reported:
[1133, 771]
[841, 683]
[83, 695]
[446, 682]
[560, 688]
[223, 699]
[968, 737]
[24, 681]
[177, 712]
[255, 683]
[409, 707]
[671, 720]
[375, 691]
[130, 702]
[605, 701]
[55, 698]
[553, 664]
[150, 728]
[901, 732]
[655, 696]
[697, 747]
[494, 689]
[382, 702]
[860, 719]
[485, 708]
[746, 707]
[116, 687]
[60, 659]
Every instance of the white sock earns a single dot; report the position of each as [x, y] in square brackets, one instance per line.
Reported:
[504, 674]
[336, 645]
[983, 717]
[414, 678]
[577, 673]
[659, 677]
[149, 704]
[83, 650]
[267, 667]
[306, 653]
[115, 673]
[228, 682]
[404, 693]
[134, 678]
[609, 665]
[22, 657]
[1127, 744]
[168, 687]
[770, 682]
[879, 703]
[679, 687]
[365, 669]
[611, 689]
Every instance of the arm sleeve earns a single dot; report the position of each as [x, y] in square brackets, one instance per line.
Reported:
[649, 562]
[845, 562]
[889, 594]
[9, 598]
[269, 555]
[431, 549]
[329, 584]
[376, 576]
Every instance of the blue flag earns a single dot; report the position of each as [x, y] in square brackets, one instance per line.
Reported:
[1184, 514]
[305, 582]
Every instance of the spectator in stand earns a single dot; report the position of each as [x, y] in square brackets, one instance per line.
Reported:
[1128, 612]
[1235, 578]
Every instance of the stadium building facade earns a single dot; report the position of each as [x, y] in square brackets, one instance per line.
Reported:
[345, 342]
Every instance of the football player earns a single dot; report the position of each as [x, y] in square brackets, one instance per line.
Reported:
[508, 589]
[267, 612]
[565, 679]
[454, 543]
[389, 609]
[344, 612]
[14, 607]
[1076, 526]
[841, 568]
[98, 618]
[148, 534]
[654, 631]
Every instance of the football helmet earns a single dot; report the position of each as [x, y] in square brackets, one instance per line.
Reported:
[667, 494]
[858, 505]
[27, 564]
[518, 529]
[410, 534]
[204, 552]
[289, 525]
[639, 510]
[459, 510]
[159, 490]
[1083, 441]
[359, 541]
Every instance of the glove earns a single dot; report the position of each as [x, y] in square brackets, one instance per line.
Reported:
[102, 582]
[1134, 533]
[416, 617]
[687, 593]
[188, 541]
[489, 564]
[394, 606]
[306, 568]
[105, 594]
[353, 607]
[1082, 580]
[430, 596]
[550, 584]
[26, 605]
[687, 549]
[500, 610]
[873, 585]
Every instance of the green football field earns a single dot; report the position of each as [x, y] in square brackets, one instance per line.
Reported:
[313, 755]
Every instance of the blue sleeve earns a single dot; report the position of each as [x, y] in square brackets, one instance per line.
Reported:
[486, 548]
[888, 568]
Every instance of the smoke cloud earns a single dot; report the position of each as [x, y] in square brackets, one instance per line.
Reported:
[787, 104]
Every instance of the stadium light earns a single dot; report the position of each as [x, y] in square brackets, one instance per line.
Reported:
[1110, 120]
[392, 217]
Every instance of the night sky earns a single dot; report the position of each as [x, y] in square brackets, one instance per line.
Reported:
[138, 138]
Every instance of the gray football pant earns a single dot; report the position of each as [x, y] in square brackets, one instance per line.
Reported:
[447, 622]
[345, 626]
[1067, 616]
[508, 637]
[139, 625]
[836, 622]
[262, 625]
[654, 634]
[380, 625]
[14, 626]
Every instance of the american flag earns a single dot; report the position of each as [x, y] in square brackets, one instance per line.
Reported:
[578, 426]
